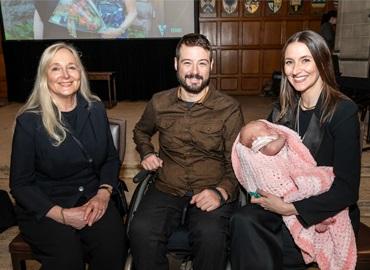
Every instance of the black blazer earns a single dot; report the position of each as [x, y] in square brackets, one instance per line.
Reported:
[337, 144]
[43, 175]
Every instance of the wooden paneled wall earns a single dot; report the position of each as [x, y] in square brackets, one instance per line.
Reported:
[247, 45]
[3, 84]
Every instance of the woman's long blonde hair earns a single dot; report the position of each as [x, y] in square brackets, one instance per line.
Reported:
[40, 100]
[322, 57]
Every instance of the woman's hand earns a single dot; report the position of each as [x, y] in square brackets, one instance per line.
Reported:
[96, 206]
[75, 217]
[69, 216]
[274, 204]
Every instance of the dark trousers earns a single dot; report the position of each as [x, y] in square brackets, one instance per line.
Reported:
[60, 247]
[159, 214]
[261, 241]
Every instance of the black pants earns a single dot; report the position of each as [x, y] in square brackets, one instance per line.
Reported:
[159, 214]
[261, 241]
[60, 247]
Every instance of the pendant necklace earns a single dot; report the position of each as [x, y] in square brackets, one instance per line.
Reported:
[297, 119]
[306, 108]
[297, 127]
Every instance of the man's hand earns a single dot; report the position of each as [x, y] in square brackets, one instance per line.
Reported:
[152, 162]
[208, 200]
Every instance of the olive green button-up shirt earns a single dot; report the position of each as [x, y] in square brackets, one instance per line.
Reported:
[195, 141]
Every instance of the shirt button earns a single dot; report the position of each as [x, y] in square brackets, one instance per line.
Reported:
[90, 160]
[81, 188]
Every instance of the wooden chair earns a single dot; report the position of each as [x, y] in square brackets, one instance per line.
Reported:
[19, 250]
[363, 248]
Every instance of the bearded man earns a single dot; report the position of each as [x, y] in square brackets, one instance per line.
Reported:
[197, 126]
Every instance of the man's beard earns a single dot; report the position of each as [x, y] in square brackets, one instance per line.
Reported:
[193, 89]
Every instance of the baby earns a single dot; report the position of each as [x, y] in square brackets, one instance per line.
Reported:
[273, 158]
[258, 136]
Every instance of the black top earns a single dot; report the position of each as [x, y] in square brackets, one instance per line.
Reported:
[43, 175]
[304, 120]
[335, 143]
[70, 117]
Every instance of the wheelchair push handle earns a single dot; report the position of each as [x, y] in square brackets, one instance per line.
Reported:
[143, 174]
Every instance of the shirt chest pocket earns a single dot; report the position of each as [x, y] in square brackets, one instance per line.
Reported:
[209, 135]
[168, 132]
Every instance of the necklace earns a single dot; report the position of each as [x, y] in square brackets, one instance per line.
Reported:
[297, 118]
[306, 108]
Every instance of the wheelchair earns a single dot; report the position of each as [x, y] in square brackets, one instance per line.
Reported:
[178, 246]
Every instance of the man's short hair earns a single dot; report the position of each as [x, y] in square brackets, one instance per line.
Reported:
[194, 40]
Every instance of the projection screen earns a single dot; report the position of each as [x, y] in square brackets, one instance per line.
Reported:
[96, 19]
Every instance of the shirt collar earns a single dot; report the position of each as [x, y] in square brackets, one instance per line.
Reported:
[208, 100]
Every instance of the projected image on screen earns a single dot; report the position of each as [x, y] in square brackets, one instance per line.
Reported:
[96, 19]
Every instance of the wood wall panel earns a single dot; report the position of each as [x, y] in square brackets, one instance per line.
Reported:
[251, 84]
[251, 32]
[229, 62]
[292, 27]
[272, 33]
[230, 33]
[248, 46]
[250, 61]
[314, 25]
[3, 83]
[271, 61]
[229, 84]
[209, 29]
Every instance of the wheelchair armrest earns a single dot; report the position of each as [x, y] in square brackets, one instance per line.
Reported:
[142, 175]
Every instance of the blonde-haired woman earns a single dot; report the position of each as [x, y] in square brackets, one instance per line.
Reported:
[63, 169]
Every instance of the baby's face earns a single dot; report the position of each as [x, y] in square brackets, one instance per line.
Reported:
[259, 129]
[253, 130]
[266, 131]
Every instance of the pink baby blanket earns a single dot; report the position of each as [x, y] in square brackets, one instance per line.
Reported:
[293, 175]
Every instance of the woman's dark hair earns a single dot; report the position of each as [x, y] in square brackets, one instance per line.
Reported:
[323, 61]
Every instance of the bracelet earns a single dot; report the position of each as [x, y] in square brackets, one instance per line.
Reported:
[219, 194]
[62, 214]
[107, 188]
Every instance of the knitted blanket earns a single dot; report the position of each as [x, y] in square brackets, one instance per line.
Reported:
[293, 175]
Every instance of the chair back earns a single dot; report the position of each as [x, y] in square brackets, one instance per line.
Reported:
[118, 130]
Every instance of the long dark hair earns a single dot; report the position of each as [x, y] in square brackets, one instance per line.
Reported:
[322, 58]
